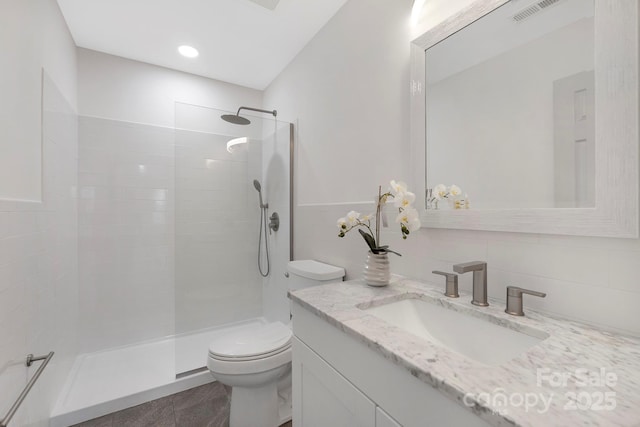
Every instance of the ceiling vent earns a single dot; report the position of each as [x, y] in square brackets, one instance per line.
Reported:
[547, 3]
[529, 11]
[267, 4]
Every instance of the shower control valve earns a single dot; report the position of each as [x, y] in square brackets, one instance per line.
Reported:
[274, 222]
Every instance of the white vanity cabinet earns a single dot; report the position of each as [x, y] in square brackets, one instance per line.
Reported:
[326, 398]
[340, 382]
[384, 420]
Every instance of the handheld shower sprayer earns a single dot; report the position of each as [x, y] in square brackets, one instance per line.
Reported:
[273, 223]
[258, 187]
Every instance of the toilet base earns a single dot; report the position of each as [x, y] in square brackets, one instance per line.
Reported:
[254, 406]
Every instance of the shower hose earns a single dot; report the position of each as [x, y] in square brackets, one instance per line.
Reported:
[263, 226]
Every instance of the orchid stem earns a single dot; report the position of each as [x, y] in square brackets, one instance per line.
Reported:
[378, 216]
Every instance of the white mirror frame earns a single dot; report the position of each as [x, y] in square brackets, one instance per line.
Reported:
[617, 118]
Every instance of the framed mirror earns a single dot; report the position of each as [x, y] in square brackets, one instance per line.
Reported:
[530, 107]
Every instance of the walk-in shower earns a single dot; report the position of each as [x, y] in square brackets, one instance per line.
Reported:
[177, 244]
[221, 227]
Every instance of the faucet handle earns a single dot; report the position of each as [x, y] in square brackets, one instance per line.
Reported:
[451, 289]
[514, 299]
[515, 290]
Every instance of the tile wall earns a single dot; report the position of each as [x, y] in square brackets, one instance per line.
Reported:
[592, 280]
[38, 270]
[137, 184]
[126, 223]
[217, 216]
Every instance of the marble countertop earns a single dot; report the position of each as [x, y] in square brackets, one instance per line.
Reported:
[579, 375]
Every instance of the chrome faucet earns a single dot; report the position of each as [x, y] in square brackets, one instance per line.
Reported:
[479, 269]
[514, 299]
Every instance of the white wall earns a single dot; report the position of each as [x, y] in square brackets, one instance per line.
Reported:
[348, 91]
[38, 240]
[30, 37]
[115, 88]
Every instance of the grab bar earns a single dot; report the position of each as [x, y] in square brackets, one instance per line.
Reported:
[29, 361]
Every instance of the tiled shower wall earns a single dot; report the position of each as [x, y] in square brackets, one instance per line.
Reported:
[217, 216]
[126, 242]
[136, 189]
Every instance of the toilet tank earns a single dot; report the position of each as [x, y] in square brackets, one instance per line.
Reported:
[306, 273]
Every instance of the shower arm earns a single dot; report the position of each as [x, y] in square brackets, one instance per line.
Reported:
[274, 113]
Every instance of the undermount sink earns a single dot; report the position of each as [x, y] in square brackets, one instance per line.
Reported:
[470, 336]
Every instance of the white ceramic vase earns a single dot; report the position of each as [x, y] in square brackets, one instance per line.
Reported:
[376, 269]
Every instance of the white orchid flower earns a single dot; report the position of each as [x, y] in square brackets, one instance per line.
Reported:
[404, 200]
[366, 217]
[410, 218]
[398, 187]
[407, 215]
[352, 218]
[439, 191]
[455, 190]
[342, 223]
[414, 224]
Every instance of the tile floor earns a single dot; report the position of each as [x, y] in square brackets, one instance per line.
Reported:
[204, 406]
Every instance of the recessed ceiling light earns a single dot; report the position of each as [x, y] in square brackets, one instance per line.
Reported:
[188, 51]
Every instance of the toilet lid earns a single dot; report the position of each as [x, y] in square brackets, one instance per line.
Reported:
[251, 342]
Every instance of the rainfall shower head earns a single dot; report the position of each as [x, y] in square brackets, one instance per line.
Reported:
[237, 119]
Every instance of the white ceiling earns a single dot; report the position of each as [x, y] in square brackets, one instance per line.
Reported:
[240, 41]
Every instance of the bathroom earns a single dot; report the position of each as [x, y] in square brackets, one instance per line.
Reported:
[85, 274]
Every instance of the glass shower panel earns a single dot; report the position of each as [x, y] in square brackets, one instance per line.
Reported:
[217, 283]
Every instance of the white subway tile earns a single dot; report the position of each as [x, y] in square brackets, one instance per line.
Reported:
[569, 263]
[608, 308]
[623, 271]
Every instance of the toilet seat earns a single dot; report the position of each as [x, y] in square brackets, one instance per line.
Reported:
[249, 367]
[249, 358]
[251, 343]
[254, 349]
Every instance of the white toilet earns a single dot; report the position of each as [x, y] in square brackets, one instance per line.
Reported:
[256, 360]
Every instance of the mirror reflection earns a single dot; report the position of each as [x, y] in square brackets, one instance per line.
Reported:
[510, 109]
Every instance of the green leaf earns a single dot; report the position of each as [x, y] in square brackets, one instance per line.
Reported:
[385, 248]
[393, 252]
[369, 239]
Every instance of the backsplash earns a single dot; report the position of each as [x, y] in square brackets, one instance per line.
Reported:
[592, 280]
